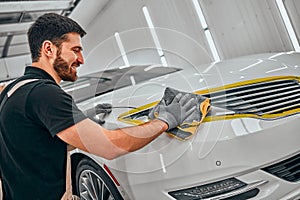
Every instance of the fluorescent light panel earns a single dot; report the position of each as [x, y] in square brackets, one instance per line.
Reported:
[154, 36]
[121, 48]
[288, 25]
[207, 32]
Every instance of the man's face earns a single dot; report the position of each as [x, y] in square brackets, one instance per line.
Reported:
[69, 57]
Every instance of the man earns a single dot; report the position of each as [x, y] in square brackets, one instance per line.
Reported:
[39, 119]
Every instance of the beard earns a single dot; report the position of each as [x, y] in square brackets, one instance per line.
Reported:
[63, 70]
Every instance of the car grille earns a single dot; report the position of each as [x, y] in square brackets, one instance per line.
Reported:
[288, 169]
[261, 98]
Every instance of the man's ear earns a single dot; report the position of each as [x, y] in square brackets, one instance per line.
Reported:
[48, 48]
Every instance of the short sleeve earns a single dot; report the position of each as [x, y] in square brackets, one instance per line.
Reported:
[49, 106]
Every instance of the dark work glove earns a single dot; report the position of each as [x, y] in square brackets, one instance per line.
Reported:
[99, 112]
[174, 112]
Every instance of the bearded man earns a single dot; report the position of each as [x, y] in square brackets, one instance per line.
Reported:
[38, 119]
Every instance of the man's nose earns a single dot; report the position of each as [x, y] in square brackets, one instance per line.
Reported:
[80, 58]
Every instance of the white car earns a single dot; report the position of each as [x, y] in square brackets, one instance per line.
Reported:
[248, 146]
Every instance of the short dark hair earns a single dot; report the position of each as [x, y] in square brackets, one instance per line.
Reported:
[53, 27]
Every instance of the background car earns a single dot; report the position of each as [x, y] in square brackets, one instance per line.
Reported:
[246, 147]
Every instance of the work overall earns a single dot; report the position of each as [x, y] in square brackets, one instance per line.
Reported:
[68, 194]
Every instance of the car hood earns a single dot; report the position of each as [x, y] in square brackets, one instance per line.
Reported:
[165, 151]
[199, 78]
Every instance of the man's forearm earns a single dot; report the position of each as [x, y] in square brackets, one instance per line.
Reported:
[133, 138]
[93, 138]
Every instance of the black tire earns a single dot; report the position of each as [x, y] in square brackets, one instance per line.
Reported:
[92, 182]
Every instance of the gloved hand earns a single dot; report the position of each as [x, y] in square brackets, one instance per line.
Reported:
[174, 112]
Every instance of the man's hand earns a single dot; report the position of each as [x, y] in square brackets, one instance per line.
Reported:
[174, 113]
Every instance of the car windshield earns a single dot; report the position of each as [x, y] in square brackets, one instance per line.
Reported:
[98, 83]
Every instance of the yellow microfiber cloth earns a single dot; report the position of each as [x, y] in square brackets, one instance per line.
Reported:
[189, 126]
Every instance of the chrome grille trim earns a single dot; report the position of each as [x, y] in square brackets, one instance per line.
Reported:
[284, 108]
[267, 97]
[263, 98]
[227, 97]
[276, 105]
[263, 103]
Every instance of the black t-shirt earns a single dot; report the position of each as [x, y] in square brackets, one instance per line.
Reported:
[32, 157]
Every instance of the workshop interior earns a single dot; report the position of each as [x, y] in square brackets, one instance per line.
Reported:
[239, 59]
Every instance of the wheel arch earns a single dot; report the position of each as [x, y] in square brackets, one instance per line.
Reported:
[76, 157]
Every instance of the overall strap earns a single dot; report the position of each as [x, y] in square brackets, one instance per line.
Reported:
[13, 89]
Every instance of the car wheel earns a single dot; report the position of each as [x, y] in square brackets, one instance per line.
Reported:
[92, 182]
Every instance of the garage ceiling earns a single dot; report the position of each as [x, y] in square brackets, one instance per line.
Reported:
[16, 17]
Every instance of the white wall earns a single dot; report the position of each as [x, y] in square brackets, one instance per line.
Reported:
[246, 27]
[293, 10]
[238, 28]
[178, 30]
[12, 67]
[3, 70]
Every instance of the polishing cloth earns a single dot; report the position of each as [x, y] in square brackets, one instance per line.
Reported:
[189, 126]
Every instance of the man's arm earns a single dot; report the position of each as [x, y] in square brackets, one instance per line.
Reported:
[91, 137]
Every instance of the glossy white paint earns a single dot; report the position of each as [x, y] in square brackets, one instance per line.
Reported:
[220, 149]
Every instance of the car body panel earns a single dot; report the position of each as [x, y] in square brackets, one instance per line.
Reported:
[229, 147]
